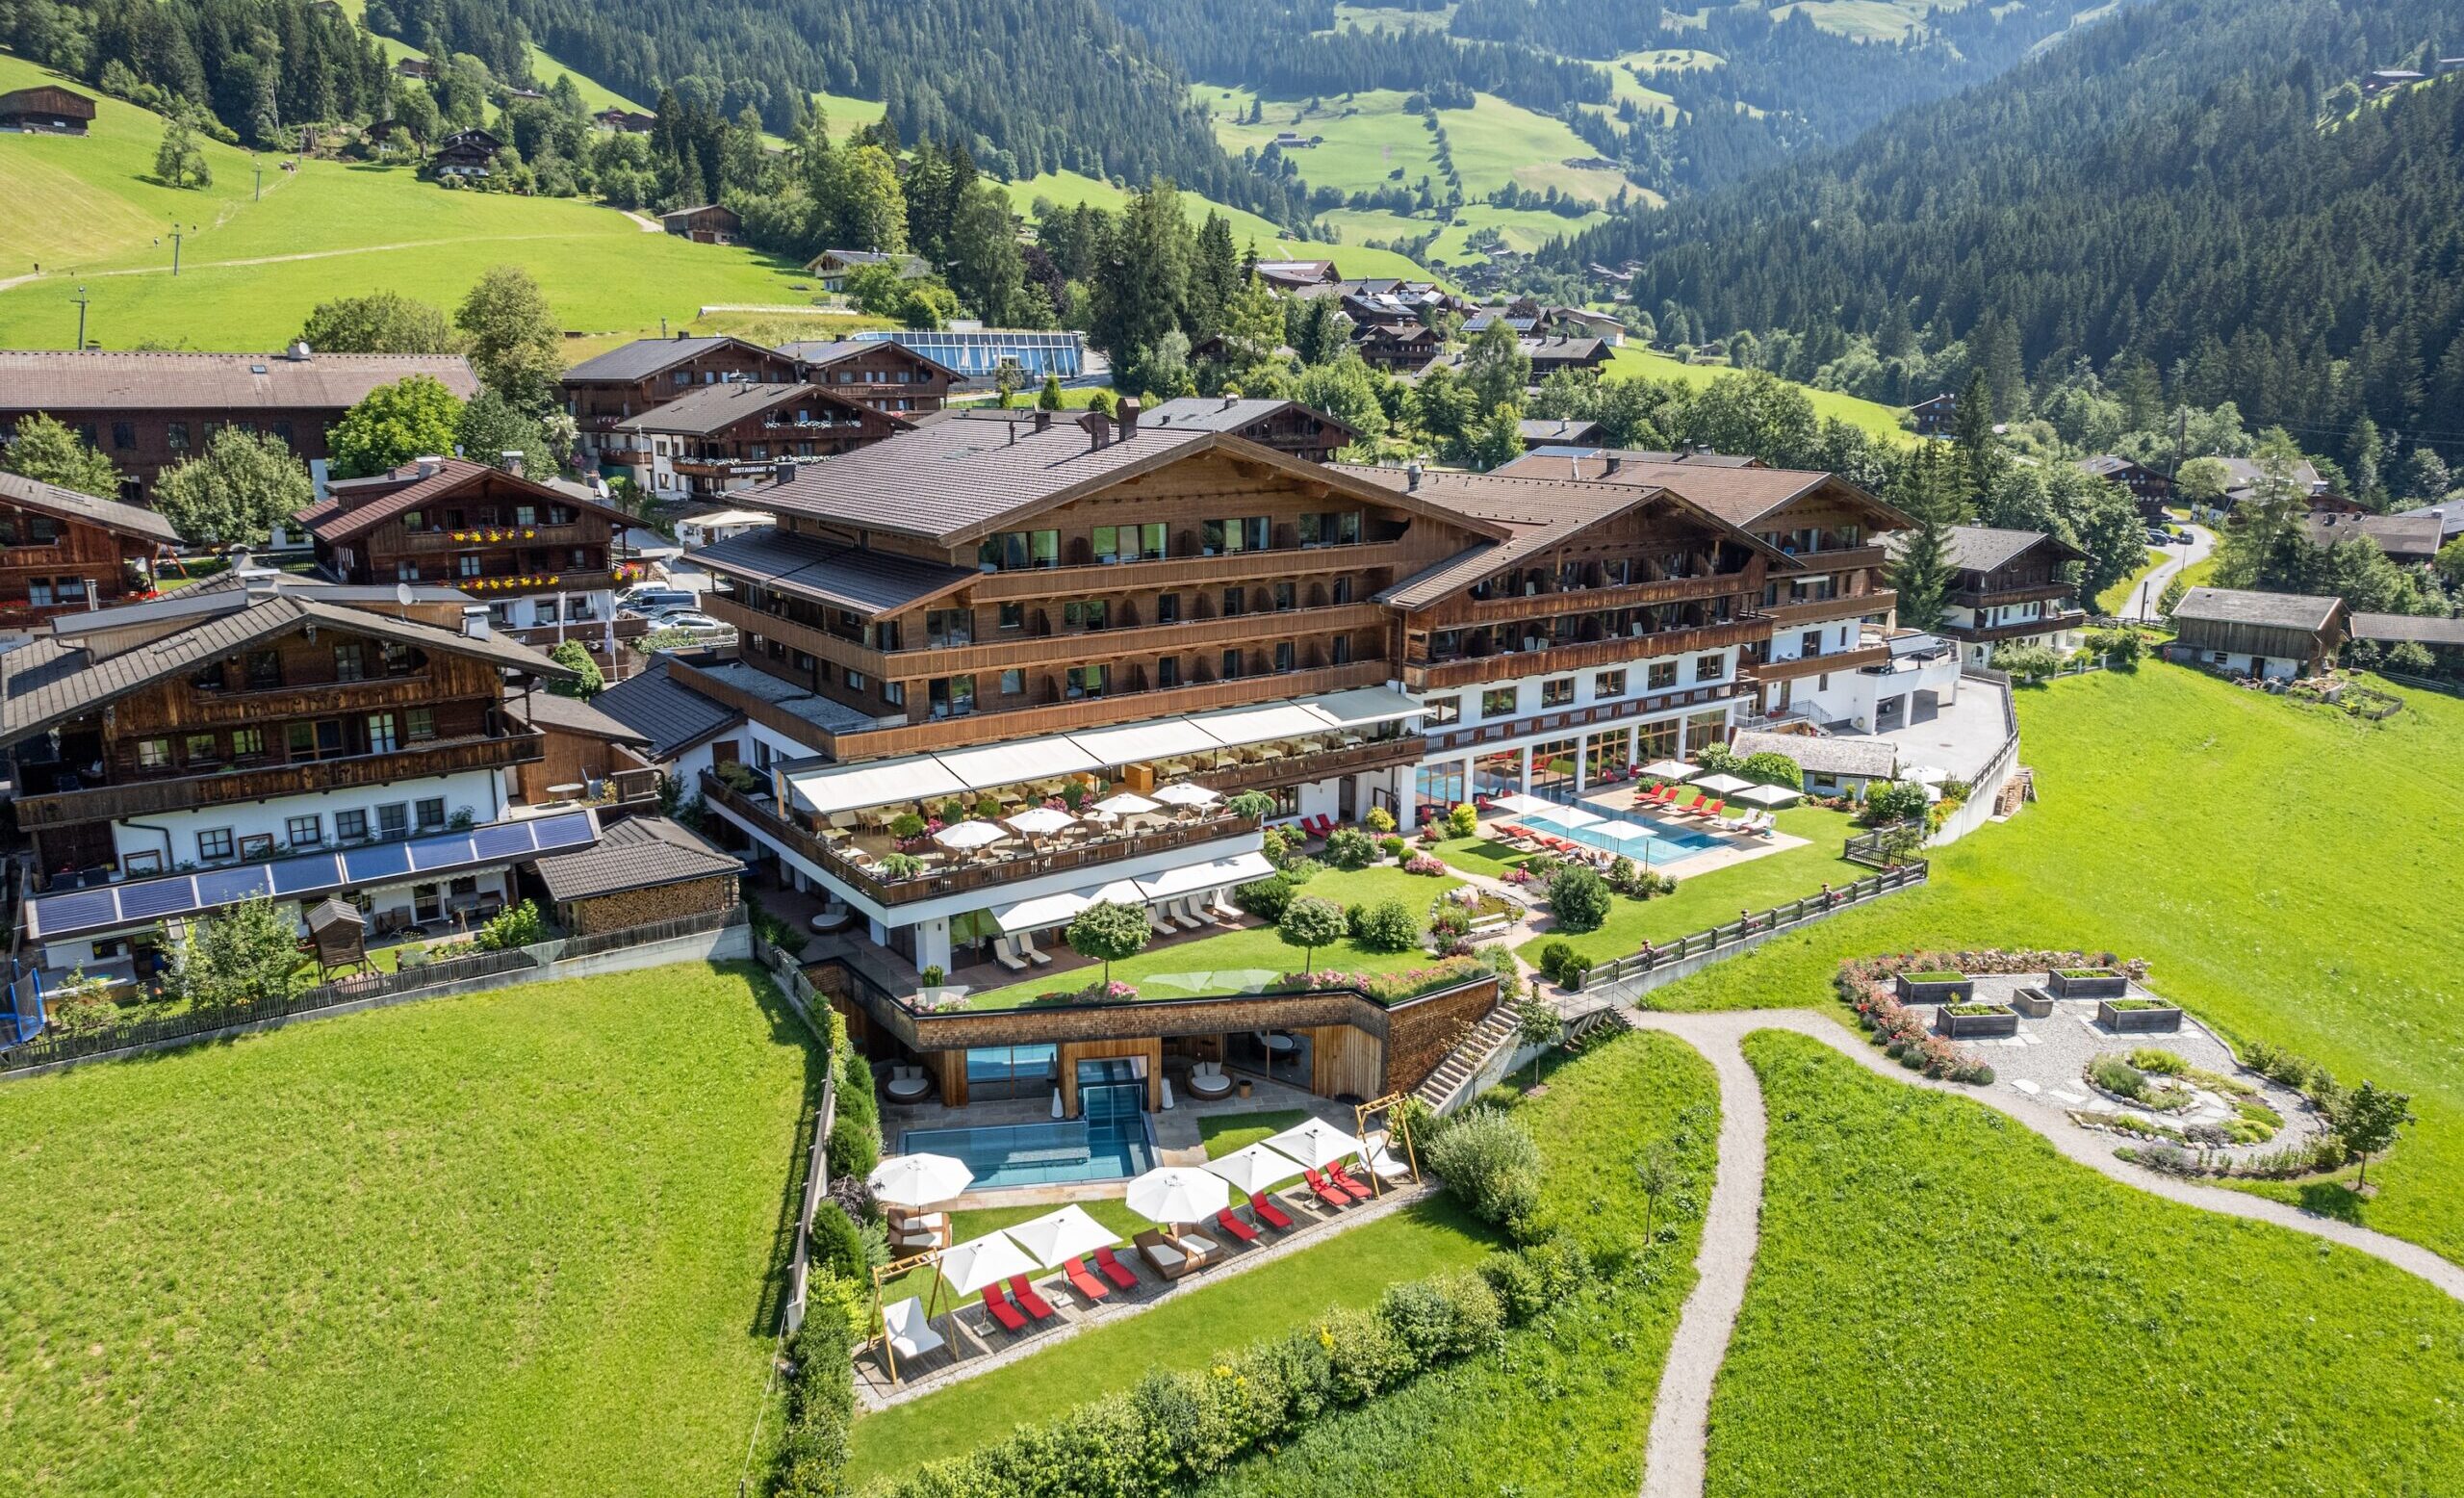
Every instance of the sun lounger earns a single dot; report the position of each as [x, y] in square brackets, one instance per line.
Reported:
[1029, 1301]
[1224, 906]
[1269, 1213]
[1361, 1191]
[1002, 1312]
[1156, 922]
[1027, 946]
[909, 1331]
[1178, 910]
[1207, 1081]
[1232, 1224]
[1005, 951]
[1119, 1272]
[1168, 1257]
[1385, 1166]
[1326, 1191]
[1712, 812]
[1082, 1280]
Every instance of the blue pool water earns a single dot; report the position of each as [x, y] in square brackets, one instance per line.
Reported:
[1110, 1143]
[1668, 842]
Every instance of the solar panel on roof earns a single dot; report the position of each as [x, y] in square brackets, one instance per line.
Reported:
[230, 886]
[367, 866]
[503, 839]
[296, 875]
[157, 898]
[438, 852]
[75, 911]
[571, 831]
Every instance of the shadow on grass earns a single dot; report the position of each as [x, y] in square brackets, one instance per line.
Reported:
[2332, 1198]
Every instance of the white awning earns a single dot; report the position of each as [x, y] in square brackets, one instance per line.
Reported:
[846, 788]
[1023, 759]
[1163, 738]
[1235, 726]
[1214, 874]
[1045, 909]
[1120, 891]
[1365, 705]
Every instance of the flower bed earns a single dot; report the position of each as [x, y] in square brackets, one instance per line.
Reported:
[1935, 987]
[1391, 988]
[1965, 1022]
[1899, 1032]
[2138, 1015]
[2087, 982]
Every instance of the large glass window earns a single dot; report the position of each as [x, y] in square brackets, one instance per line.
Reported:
[1660, 740]
[997, 1072]
[1558, 692]
[1086, 682]
[1703, 730]
[949, 627]
[1129, 543]
[1552, 766]
[1244, 533]
[953, 696]
[1442, 710]
[1440, 788]
[1338, 528]
[1018, 551]
[1499, 702]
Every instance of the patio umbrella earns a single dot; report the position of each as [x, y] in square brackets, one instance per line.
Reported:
[1574, 816]
[1668, 769]
[1128, 803]
[1627, 832]
[1172, 1193]
[984, 1261]
[1723, 785]
[1040, 820]
[1770, 796]
[1520, 805]
[969, 834]
[918, 1180]
[1315, 1143]
[1255, 1167]
[1188, 796]
[1058, 1237]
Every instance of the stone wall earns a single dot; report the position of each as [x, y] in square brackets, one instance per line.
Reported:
[1419, 1034]
[646, 907]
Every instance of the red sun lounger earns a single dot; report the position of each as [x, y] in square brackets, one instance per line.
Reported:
[1114, 1270]
[1360, 1191]
[1269, 1213]
[1002, 1310]
[1325, 1190]
[1083, 1280]
[1232, 1224]
[1029, 1301]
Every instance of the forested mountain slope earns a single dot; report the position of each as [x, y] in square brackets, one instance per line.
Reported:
[2195, 182]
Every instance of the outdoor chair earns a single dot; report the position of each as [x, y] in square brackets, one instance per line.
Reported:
[1155, 920]
[1359, 1190]
[1027, 948]
[908, 1330]
[1006, 953]
[1028, 1301]
[1207, 1081]
[1082, 1280]
[1224, 908]
[1167, 1256]
[1178, 913]
[1385, 1167]
[1712, 812]
[1269, 1213]
[1010, 1317]
[1232, 1224]
[905, 1084]
[1119, 1272]
[1326, 1191]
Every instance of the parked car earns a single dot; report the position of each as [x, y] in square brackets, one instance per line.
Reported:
[2161, 538]
[686, 619]
[651, 602]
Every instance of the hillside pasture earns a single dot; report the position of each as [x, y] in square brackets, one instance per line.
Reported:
[1634, 360]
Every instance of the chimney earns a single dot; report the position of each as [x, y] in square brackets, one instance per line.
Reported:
[260, 584]
[1411, 475]
[509, 460]
[782, 471]
[1616, 461]
[474, 621]
[298, 353]
[1129, 418]
[1099, 431]
[1230, 400]
[430, 466]
[1043, 420]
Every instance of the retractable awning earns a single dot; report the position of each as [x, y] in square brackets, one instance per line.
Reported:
[1214, 874]
[1045, 909]
[1163, 738]
[846, 788]
[1363, 705]
[992, 765]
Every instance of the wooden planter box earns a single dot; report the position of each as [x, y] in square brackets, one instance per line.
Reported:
[2103, 983]
[2035, 1003]
[2002, 1021]
[2165, 1019]
[1954, 991]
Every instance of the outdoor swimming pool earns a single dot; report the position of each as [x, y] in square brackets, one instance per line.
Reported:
[1667, 843]
[1110, 1143]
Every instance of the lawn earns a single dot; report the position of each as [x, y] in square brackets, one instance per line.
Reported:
[2114, 599]
[1240, 961]
[427, 1250]
[1943, 1304]
[1348, 1268]
[1564, 1405]
[2174, 827]
[1633, 359]
[1229, 1133]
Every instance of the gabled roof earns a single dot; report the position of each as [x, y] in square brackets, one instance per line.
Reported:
[1863, 758]
[670, 717]
[359, 505]
[2105, 465]
[1985, 547]
[2397, 536]
[822, 355]
[2243, 605]
[645, 357]
[110, 380]
[54, 678]
[573, 715]
[1229, 414]
[869, 583]
[1542, 429]
[2420, 629]
[955, 481]
[713, 409]
[1728, 487]
[639, 853]
[85, 510]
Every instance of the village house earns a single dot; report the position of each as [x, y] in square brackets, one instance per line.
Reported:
[1539, 432]
[624, 121]
[833, 268]
[1285, 426]
[1398, 347]
[2010, 587]
[2258, 634]
[606, 392]
[707, 224]
[45, 109]
[465, 153]
[62, 552]
[875, 373]
[1934, 415]
[718, 438]
[1292, 275]
[2409, 540]
[2246, 479]
[147, 411]
[2150, 489]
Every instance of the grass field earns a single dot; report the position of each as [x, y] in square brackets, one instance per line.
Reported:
[1247, 228]
[1369, 137]
[2174, 825]
[427, 1250]
[1564, 1405]
[1672, 60]
[1633, 359]
[1241, 960]
[1526, 229]
[1943, 1304]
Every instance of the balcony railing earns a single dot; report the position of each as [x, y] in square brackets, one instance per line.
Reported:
[2017, 593]
[761, 817]
[1060, 717]
[2016, 629]
[1800, 666]
[1819, 610]
[1510, 665]
[1840, 559]
[258, 783]
[1181, 571]
[1598, 714]
[1628, 595]
[1307, 768]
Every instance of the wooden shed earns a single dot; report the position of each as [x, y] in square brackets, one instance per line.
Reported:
[338, 934]
[46, 108]
[2253, 634]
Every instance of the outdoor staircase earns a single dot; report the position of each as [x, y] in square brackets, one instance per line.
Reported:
[1588, 1029]
[2020, 789]
[1468, 1059]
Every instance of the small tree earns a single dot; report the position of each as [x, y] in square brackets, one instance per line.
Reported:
[1049, 398]
[235, 492]
[515, 344]
[1656, 1175]
[1464, 820]
[46, 452]
[1109, 932]
[246, 952]
[1007, 378]
[2027, 662]
[2369, 1119]
[413, 417]
[1579, 897]
[1310, 923]
[587, 680]
[179, 162]
[1537, 1025]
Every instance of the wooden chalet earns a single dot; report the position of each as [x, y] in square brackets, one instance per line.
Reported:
[62, 552]
[1285, 426]
[1565, 351]
[1397, 347]
[1934, 415]
[722, 437]
[707, 224]
[624, 121]
[833, 268]
[2258, 634]
[1290, 275]
[2011, 586]
[465, 153]
[45, 109]
[2152, 490]
[2409, 540]
[878, 372]
[607, 389]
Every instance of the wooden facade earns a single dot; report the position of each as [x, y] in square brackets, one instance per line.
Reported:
[708, 224]
[53, 562]
[778, 425]
[492, 535]
[886, 376]
[46, 108]
[605, 392]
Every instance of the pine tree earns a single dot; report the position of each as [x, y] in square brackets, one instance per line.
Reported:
[1922, 572]
[1980, 455]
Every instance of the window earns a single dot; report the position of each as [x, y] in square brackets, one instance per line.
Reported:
[350, 826]
[1338, 528]
[953, 696]
[214, 843]
[1660, 675]
[419, 723]
[855, 679]
[1167, 671]
[1231, 666]
[406, 572]
[1018, 551]
[69, 589]
[1092, 613]
[1558, 692]
[1341, 651]
[1442, 710]
[247, 743]
[42, 531]
[1086, 682]
[1129, 543]
[894, 693]
[394, 822]
[347, 662]
[400, 659]
[304, 831]
[153, 753]
[1013, 683]
[1236, 601]
[383, 738]
[202, 749]
[1283, 654]
[37, 592]
[123, 434]
[1501, 702]
[1013, 616]
[949, 627]
[1168, 608]
[526, 514]
[1709, 668]
[467, 565]
[1283, 596]
[1343, 591]
[1609, 683]
[175, 436]
[1247, 533]
[429, 812]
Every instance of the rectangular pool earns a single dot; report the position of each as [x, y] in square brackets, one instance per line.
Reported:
[1667, 843]
[1111, 1141]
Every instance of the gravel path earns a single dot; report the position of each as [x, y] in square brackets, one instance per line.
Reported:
[1673, 1460]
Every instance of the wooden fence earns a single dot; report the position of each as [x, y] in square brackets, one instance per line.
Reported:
[1779, 918]
[816, 1180]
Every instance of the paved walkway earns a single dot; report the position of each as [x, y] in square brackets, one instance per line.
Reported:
[1673, 1463]
[2143, 600]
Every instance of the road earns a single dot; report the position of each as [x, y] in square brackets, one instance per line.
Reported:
[2144, 598]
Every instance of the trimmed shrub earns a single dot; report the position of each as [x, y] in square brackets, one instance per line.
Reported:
[1300, 870]
[1265, 898]
[1493, 1164]
[1553, 957]
[1579, 897]
[1379, 821]
[838, 1243]
[821, 1396]
[1464, 820]
[1394, 847]
[1348, 847]
[1772, 768]
[1442, 1318]
[1390, 926]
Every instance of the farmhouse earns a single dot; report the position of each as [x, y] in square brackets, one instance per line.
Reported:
[64, 552]
[2411, 540]
[1292, 275]
[717, 438]
[832, 267]
[147, 411]
[624, 121]
[707, 224]
[2008, 587]
[2151, 489]
[2261, 634]
[1933, 415]
[465, 153]
[875, 373]
[1398, 347]
[606, 392]
[1285, 426]
[46, 108]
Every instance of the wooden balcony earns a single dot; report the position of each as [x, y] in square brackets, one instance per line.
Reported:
[1512, 666]
[1990, 597]
[1823, 610]
[1845, 559]
[1815, 665]
[1060, 717]
[2018, 628]
[763, 820]
[1605, 715]
[1459, 610]
[1080, 581]
[264, 782]
[590, 532]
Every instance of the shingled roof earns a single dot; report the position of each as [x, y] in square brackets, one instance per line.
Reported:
[671, 718]
[712, 408]
[639, 853]
[1985, 547]
[110, 380]
[870, 582]
[85, 510]
[2245, 606]
[359, 505]
[1721, 483]
[1200, 413]
[1861, 759]
[645, 357]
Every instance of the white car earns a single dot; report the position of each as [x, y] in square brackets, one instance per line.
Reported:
[686, 619]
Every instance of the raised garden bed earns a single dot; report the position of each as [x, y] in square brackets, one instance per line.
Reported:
[1975, 1021]
[2138, 1015]
[2087, 982]
[1935, 987]
[2035, 1003]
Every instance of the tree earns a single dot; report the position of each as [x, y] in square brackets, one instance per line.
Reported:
[1921, 573]
[235, 492]
[1498, 438]
[491, 426]
[2424, 476]
[514, 343]
[1537, 1025]
[1656, 1174]
[380, 322]
[1578, 898]
[179, 162]
[48, 453]
[1109, 932]
[587, 680]
[2369, 1120]
[2027, 662]
[1310, 923]
[414, 417]
[1049, 398]
[248, 951]
[1346, 390]
[2200, 482]
[1142, 282]
[1495, 367]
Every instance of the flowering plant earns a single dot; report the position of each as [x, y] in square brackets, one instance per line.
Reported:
[1424, 864]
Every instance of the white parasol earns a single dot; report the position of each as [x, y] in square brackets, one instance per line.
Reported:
[1128, 803]
[985, 1261]
[918, 1180]
[1058, 1237]
[969, 834]
[1255, 1167]
[1770, 796]
[1723, 785]
[1178, 1194]
[1188, 796]
[1040, 820]
[1315, 1143]
[1668, 769]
